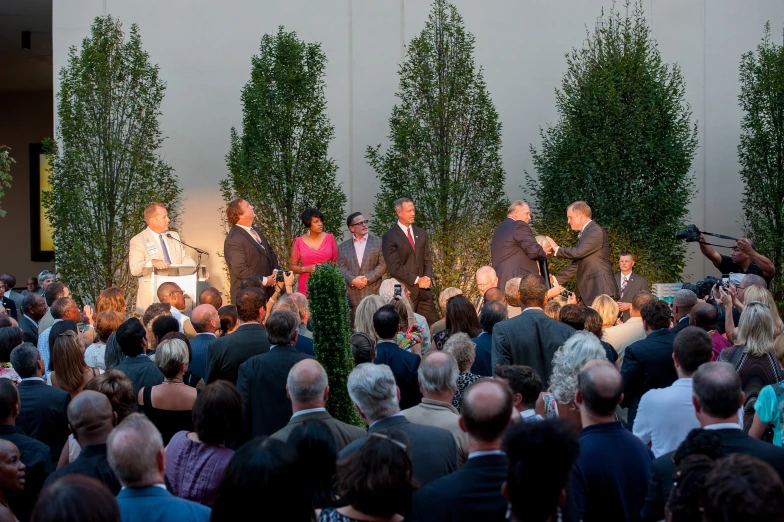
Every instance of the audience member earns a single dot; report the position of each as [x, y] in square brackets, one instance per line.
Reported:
[445, 295]
[593, 324]
[304, 310]
[409, 335]
[113, 355]
[206, 322]
[161, 327]
[682, 304]
[363, 348]
[474, 491]
[136, 455]
[526, 387]
[106, 323]
[317, 453]
[32, 286]
[32, 311]
[167, 405]
[647, 364]
[252, 282]
[767, 408]
[209, 296]
[63, 309]
[387, 291]
[10, 338]
[569, 359]
[631, 331]
[741, 488]
[171, 294]
[43, 409]
[760, 294]
[52, 293]
[217, 424]
[438, 375]
[113, 299]
[512, 297]
[486, 279]
[140, 369]
[227, 353]
[229, 319]
[363, 319]
[308, 388]
[531, 338]
[262, 378]
[552, 309]
[45, 278]
[573, 315]
[607, 309]
[464, 352]
[375, 396]
[12, 477]
[704, 316]
[9, 281]
[492, 312]
[404, 365]
[153, 312]
[70, 371]
[64, 501]
[684, 502]
[460, 318]
[304, 344]
[263, 477]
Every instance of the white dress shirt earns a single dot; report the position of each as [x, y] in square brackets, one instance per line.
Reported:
[530, 416]
[359, 247]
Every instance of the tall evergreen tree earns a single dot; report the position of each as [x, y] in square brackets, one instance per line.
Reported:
[280, 162]
[107, 168]
[623, 143]
[444, 152]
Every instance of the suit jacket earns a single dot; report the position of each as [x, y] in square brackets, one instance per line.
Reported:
[29, 329]
[141, 371]
[404, 366]
[444, 415]
[245, 258]
[683, 323]
[10, 307]
[514, 251]
[403, 263]
[473, 493]
[433, 450]
[734, 441]
[636, 283]
[647, 364]
[44, 414]
[262, 384]
[344, 434]
[531, 339]
[154, 504]
[199, 349]
[92, 462]
[305, 345]
[143, 249]
[373, 267]
[226, 354]
[37, 458]
[17, 298]
[484, 353]
[591, 263]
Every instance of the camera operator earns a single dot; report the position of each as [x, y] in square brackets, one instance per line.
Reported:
[743, 259]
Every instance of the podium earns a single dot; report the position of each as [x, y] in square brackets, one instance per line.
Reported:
[186, 277]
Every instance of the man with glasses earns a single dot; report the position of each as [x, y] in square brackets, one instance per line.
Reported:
[743, 259]
[361, 260]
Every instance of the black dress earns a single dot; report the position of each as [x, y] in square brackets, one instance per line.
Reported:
[168, 422]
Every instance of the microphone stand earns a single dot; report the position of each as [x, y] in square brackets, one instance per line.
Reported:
[198, 250]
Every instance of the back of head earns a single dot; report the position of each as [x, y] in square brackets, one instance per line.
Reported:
[67, 360]
[363, 348]
[753, 279]
[9, 398]
[551, 447]
[386, 322]
[494, 294]
[112, 298]
[301, 301]
[59, 328]
[10, 338]
[250, 302]
[553, 309]
[493, 312]
[512, 292]
[461, 316]
[211, 296]
[307, 383]
[62, 307]
[286, 302]
[445, 295]
[463, 349]
[154, 311]
[251, 282]
[387, 289]
[281, 327]
[107, 322]
[363, 318]
[607, 308]
[656, 314]
[640, 299]
[172, 357]
[755, 329]
[372, 387]
[229, 317]
[521, 379]
[118, 388]
[742, 488]
[532, 290]
[704, 316]
[693, 347]
[760, 294]
[486, 409]
[64, 500]
[23, 359]
[204, 315]
[316, 449]
[717, 388]
[601, 387]
[131, 337]
[593, 322]
[91, 417]
[684, 501]
[685, 300]
[53, 292]
[573, 315]
[438, 372]
[217, 413]
[132, 451]
[163, 325]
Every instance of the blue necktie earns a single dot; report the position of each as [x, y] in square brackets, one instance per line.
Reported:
[164, 250]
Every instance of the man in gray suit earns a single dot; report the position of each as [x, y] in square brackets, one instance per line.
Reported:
[361, 261]
[590, 256]
[629, 283]
[308, 388]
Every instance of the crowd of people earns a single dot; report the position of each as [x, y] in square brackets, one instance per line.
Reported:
[529, 403]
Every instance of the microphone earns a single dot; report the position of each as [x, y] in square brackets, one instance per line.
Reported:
[199, 250]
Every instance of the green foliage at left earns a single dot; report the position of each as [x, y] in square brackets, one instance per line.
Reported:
[107, 167]
[5, 168]
[331, 336]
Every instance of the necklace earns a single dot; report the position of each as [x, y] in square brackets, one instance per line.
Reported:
[172, 382]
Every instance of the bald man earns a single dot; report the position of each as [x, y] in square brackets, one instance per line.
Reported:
[171, 294]
[485, 280]
[610, 477]
[211, 296]
[206, 322]
[308, 388]
[91, 420]
[706, 316]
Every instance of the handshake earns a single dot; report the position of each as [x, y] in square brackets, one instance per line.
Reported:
[547, 243]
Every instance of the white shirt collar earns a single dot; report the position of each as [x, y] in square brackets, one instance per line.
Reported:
[207, 333]
[723, 426]
[355, 238]
[156, 234]
[310, 410]
[404, 228]
[485, 453]
[7, 293]
[32, 379]
[528, 413]
[533, 308]
[30, 319]
[627, 276]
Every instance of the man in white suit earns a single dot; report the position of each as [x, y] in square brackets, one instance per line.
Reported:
[151, 248]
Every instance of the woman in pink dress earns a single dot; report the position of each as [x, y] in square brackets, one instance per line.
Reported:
[311, 248]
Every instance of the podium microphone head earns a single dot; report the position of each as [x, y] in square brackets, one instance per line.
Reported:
[168, 234]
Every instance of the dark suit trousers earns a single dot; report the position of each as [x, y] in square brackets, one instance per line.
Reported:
[423, 305]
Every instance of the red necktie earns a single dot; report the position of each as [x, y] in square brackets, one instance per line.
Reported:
[411, 239]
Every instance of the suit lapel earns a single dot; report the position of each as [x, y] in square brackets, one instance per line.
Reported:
[263, 249]
[402, 235]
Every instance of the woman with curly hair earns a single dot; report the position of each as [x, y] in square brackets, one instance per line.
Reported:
[464, 350]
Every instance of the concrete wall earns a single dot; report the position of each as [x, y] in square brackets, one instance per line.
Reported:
[204, 50]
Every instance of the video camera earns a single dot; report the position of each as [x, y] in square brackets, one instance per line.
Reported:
[691, 234]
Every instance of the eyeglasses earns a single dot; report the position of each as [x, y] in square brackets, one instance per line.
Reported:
[360, 223]
[388, 438]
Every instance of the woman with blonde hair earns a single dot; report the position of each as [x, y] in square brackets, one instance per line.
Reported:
[363, 319]
[753, 356]
[608, 310]
[70, 371]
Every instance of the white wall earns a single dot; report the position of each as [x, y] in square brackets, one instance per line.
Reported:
[204, 50]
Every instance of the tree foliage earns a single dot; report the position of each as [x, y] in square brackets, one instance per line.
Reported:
[331, 338]
[761, 150]
[623, 143]
[107, 167]
[5, 172]
[444, 152]
[280, 162]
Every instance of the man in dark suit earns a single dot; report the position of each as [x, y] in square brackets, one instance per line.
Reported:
[246, 250]
[474, 491]
[647, 364]
[303, 344]
[225, 355]
[361, 261]
[493, 312]
[308, 388]
[590, 257]
[682, 304]
[404, 365]
[43, 411]
[629, 283]
[514, 251]
[717, 398]
[262, 378]
[33, 309]
[8, 304]
[407, 256]
[531, 338]
[433, 450]
[135, 453]
[206, 322]
[135, 364]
